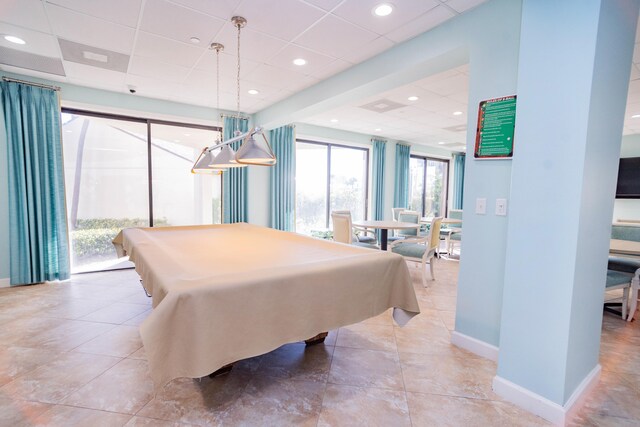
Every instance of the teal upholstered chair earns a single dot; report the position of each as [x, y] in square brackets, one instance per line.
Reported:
[452, 234]
[421, 249]
[624, 273]
[343, 231]
[412, 217]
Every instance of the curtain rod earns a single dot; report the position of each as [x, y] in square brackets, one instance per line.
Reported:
[9, 79]
[234, 116]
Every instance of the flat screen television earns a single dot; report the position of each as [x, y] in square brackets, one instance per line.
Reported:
[628, 178]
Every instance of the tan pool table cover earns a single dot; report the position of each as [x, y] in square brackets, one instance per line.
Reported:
[223, 293]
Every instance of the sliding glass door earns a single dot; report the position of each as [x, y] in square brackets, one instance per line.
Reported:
[329, 177]
[428, 185]
[128, 172]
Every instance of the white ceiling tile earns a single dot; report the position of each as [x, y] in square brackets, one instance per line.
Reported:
[368, 50]
[179, 23]
[449, 85]
[335, 37]
[25, 13]
[425, 22]
[36, 42]
[331, 69]
[315, 61]
[220, 8]
[90, 31]
[81, 72]
[165, 50]
[360, 12]
[153, 88]
[254, 45]
[284, 20]
[123, 12]
[464, 5]
[324, 4]
[276, 77]
[149, 67]
[228, 65]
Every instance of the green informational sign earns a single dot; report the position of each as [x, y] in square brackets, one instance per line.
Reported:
[496, 124]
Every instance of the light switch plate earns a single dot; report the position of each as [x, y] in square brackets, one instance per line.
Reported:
[481, 206]
[501, 207]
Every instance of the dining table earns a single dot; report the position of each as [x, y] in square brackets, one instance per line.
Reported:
[427, 220]
[384, 226]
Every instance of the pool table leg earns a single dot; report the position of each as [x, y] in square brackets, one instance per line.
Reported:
[318, 339]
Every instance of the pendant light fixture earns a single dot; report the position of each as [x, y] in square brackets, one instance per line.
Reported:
[203, 162]
[255, 149]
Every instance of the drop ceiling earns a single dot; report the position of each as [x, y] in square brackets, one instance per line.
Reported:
[153, 37]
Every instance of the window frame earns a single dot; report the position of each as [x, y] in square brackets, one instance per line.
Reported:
[328, 196]
[445, 184]
[148, 121]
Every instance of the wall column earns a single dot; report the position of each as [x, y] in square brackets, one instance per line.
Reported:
[573, 75]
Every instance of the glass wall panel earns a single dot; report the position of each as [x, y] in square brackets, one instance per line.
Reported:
[311, 187]
[348, 186]
[107, 188]
[428, 186]
[179, 196]
[416, 184]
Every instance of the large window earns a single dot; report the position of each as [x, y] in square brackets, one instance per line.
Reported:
[428, 186]
[130, 172]
[329, 177]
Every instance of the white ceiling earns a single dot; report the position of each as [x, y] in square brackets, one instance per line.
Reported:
[332, 35]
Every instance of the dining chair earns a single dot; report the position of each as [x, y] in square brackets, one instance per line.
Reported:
[624, 273]
[363, 235]
[421, 249]
[343, 231]
[412, 217]
[453, 232]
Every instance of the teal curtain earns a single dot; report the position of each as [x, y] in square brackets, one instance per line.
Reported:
[401, 190]
[234, 180]
[458, 180]
[283, 179]
[38, 237]
[377, 175]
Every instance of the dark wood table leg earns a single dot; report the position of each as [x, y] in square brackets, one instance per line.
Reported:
[318, 339]
[384, 233]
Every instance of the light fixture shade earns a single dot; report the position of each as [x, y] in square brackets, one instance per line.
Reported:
[256, 151]
[203, 163]
[225, 159]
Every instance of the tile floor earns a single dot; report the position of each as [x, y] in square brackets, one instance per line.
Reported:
[70, 355]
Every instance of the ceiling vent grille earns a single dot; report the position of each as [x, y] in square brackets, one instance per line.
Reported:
[93, 56]
[456, 128]
[30, 61]
[382, 106]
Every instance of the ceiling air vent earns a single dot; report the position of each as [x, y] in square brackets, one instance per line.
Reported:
[456, 128]
[29, 61]
[382, 106]
[93, 56]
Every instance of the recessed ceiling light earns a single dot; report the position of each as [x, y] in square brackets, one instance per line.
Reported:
[334, 120]
[377, 129]
[457, 113]
[413, 98]
[14, 39]
[441, 142]
[253, 92]
[383, 9]
[635, 116]
[187, 134]
[194, 40]
[300, 61]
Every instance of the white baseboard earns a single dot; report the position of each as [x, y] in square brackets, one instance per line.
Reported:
[475, 346]
[559, 415]
[5, 283]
